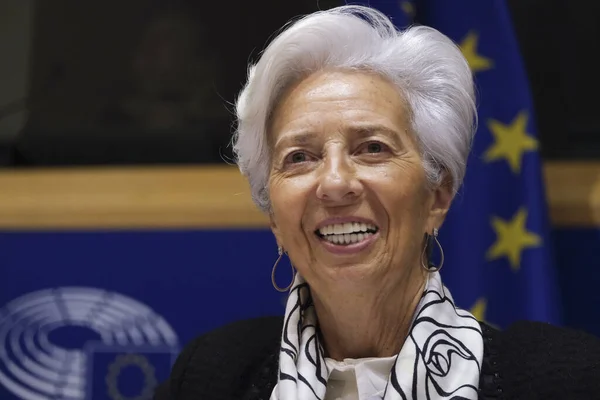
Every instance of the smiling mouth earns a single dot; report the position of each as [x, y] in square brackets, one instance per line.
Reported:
[347, 233]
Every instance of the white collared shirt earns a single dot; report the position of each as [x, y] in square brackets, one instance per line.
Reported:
[358, 379]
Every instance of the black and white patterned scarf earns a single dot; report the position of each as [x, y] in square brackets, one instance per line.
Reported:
[440, 359]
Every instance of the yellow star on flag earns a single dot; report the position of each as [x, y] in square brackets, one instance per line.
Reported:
[408, 8]
[510, 141]
[512, 238]
[469, 49]
[479, 308]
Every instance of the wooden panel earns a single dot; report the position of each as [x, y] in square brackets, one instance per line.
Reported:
[573, 191]
[127, 198]
[193, 197]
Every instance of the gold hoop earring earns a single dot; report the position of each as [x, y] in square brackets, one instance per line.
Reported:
[426, 254]
[279, 289]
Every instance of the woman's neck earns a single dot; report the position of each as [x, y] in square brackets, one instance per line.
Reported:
[367, 322]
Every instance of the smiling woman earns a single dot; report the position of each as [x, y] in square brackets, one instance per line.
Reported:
[345, 174]
[354, 138]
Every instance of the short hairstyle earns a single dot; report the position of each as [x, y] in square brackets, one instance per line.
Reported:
[428, 69]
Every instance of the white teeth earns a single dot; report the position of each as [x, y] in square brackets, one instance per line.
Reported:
[347, 228]
[347, 238]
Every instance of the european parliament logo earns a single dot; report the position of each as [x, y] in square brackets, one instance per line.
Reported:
[83, 343]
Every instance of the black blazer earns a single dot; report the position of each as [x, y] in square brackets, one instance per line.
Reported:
[527, 361]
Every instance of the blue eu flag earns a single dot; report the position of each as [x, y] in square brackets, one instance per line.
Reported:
[496, 238]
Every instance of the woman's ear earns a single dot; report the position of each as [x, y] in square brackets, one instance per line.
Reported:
[275, 229]
[442, 199]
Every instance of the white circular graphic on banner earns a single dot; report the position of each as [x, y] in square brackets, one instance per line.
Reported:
[33, 368]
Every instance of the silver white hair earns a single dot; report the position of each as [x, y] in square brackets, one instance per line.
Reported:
[428, 69]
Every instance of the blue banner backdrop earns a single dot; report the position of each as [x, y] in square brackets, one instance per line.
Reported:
[101, 315]
[96, 315]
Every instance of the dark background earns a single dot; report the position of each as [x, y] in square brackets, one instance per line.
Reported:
[82, 72]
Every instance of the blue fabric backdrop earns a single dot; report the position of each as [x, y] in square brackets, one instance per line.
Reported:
[94, 293]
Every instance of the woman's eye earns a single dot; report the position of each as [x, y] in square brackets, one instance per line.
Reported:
[297, 157]
[374, 148]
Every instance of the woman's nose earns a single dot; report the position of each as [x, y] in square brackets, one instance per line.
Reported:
[338, 180]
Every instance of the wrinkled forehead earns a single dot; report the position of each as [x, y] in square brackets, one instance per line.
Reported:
[376, 104]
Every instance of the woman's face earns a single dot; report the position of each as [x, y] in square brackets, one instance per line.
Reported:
[350, 200]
